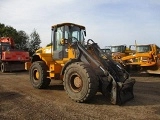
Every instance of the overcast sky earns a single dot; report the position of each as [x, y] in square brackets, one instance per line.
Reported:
[108, 22]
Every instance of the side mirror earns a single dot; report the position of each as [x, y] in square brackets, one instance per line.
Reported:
[85, 33]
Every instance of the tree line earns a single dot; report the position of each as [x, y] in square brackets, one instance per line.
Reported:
[22, 40]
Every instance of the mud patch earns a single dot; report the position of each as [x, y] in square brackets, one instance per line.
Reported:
[9, 96]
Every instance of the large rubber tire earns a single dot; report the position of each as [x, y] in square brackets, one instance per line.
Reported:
[80, 82]
[40, 81]
[3, 67]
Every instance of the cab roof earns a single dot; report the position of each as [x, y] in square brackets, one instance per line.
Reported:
[62, 24]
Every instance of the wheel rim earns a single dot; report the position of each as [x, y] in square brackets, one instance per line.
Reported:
[36, 74]
[76, 83]
[2, 67]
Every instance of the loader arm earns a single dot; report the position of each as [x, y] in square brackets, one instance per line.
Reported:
[114, 79]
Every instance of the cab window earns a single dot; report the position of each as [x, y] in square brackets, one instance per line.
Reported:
[59, 36]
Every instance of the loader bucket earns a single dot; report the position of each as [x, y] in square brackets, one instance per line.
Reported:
[118, 92]
[125, 91]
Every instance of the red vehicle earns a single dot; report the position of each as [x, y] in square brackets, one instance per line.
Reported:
[11, 59]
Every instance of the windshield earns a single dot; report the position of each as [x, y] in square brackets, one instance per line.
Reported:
[5, 46]
[117, 48]
[143, 48]
[66, 33]
[74, 31]
[106, 50]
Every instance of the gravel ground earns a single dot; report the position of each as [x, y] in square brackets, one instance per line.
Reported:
[20, 101]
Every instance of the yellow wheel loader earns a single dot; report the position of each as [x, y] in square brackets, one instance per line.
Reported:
[117, 51]
[146, 58]
[84, 69]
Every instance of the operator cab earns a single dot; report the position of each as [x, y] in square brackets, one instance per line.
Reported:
[115, 49]
[4, 47]
[107, 51]
[143, 48]
[63, 35]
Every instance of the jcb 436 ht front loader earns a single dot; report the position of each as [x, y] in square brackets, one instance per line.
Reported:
[85, 69]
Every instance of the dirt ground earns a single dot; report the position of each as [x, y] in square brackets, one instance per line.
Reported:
[20, 101]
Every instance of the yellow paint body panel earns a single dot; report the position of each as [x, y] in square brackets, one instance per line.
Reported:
[55, 66]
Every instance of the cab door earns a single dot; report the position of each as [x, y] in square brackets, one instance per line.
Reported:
[59, 49]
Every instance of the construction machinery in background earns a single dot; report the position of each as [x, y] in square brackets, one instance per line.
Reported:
[118, 51]
[10, 58]
[107, 51]
[146, 58]
[84, 68]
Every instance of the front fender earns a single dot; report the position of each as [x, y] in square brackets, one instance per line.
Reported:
[67, 64]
